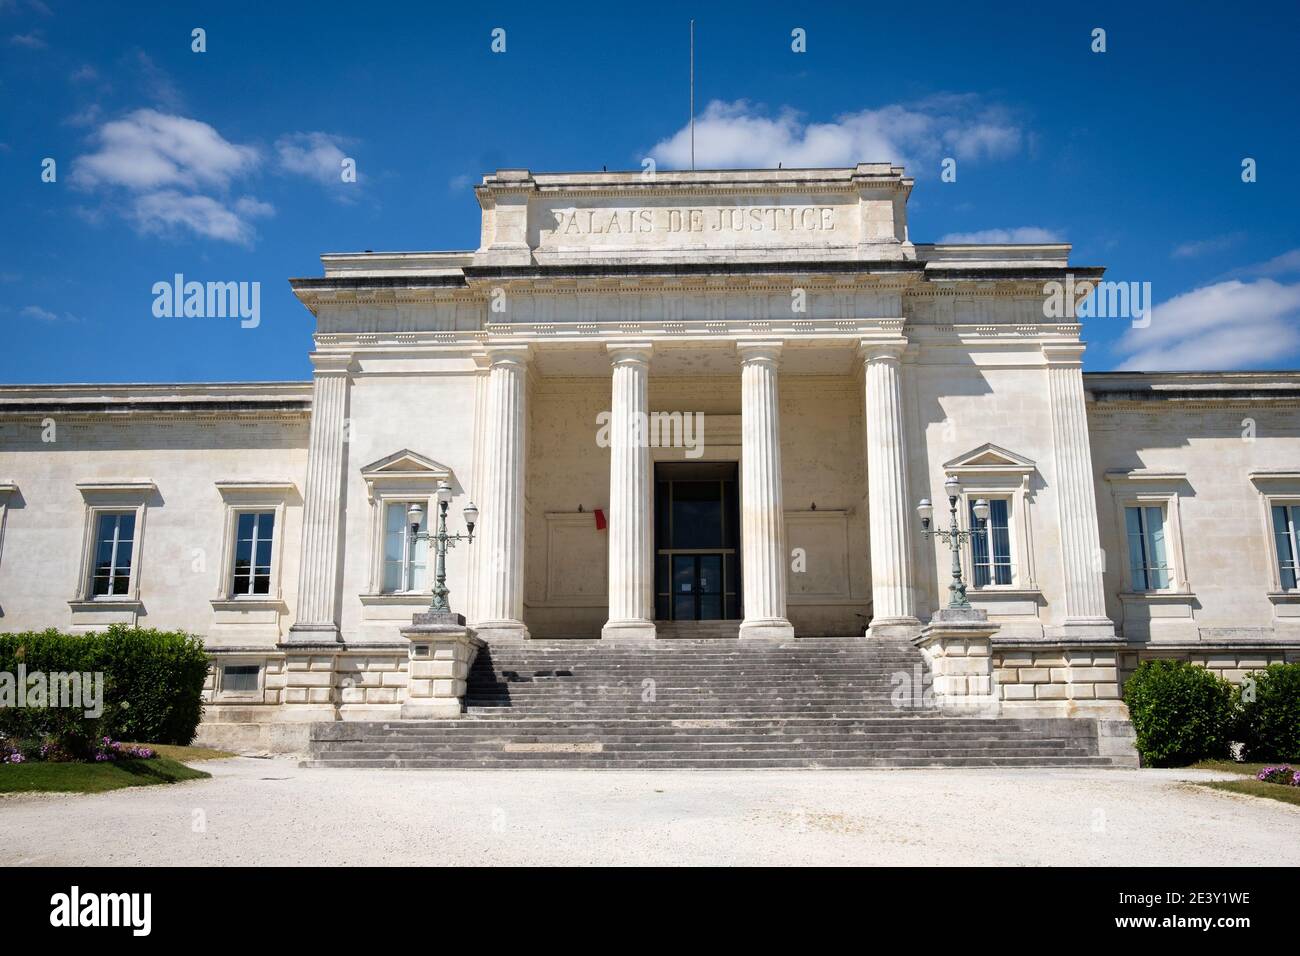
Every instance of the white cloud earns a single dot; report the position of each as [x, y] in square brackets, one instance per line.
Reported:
[36, 312]
[168, 211]
[1202, 247]
[741, 134]
[1031, 234]
[170, 166]
[317, 156]
[1226, 325]
[148, 149]
[32, 41]
[1288, 263]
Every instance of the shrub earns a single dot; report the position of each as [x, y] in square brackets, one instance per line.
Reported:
[152, 686]
[1181, 713]
[1270, 715]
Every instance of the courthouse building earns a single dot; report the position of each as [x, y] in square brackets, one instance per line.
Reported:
[690, 405]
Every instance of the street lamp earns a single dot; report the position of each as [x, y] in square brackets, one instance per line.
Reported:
[441, 540]
[953, 536]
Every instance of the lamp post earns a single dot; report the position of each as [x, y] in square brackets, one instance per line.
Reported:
[441, 541]
[953, 536]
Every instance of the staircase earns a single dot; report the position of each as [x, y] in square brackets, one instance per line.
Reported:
[815, 702]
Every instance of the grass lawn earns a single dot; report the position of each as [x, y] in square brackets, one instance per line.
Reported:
[1258, 788]
[1231, 766]
[168, 767]
[186, 754]
[1249, 786]
[36, 777]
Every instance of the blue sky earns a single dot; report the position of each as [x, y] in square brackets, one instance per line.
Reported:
[222, 165]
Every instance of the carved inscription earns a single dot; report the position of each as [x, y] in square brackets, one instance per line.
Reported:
[712, 219]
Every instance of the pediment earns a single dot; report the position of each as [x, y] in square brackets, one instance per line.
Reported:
[405, 463]
[990, 457]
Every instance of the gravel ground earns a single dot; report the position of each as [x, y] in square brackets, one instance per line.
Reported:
[272, 812]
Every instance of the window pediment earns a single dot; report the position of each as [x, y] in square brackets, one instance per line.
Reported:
[403, 468]
[990, 458]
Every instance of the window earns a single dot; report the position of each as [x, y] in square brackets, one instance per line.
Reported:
[1148, 557]
[114, 545]
[240, 678]
[254, 535]
[991, 551]
[404, 557]
[1286, 537]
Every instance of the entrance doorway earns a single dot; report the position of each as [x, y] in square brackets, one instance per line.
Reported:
[697, 539]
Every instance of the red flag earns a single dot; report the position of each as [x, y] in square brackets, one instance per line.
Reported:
[600, 520]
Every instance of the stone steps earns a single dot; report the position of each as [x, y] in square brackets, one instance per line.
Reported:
[821, 702]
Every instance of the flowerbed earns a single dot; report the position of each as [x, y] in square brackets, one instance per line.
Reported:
[52, 750]
[1284, 775]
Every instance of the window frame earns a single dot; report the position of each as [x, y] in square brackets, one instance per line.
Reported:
[403, 476]
[101, 498]
[1291, 504]
[1277, 488]
[397, 501]
[255, 497]
[968, 500]
[116, 552]
[257, 514]
[1146, 537]
[223, 694]
[991, 471]
[7, 490]
[1146, 489]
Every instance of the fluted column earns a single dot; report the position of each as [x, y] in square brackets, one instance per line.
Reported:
[500, 544]
[316, 617]
[762, 515]
[1076, 495]
[631, 512]
[889, 508]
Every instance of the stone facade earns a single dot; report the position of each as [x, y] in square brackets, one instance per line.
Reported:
[779, 322]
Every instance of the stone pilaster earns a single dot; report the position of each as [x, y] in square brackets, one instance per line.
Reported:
[322, 512]
[888, 503]
[762, 514]
[500, 544]
[1076, 496]
[631, 522]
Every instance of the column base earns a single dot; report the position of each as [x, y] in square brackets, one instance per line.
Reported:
[628, 632]
[766, 629]
[502, 631]
[894, 627]
[314, 634]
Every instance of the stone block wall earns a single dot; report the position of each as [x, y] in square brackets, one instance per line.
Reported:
[1033, 681]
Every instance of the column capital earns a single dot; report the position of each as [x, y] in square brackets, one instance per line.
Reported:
[622, 353]
[332, 363]
[882, 347]
[513, 353]
[760, 350]
[1069, 353]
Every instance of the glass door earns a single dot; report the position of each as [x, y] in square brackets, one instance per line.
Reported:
[696, 542]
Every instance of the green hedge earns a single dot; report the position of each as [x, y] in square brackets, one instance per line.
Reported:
[1270, 714]
[153, 683]
[1182, 713]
